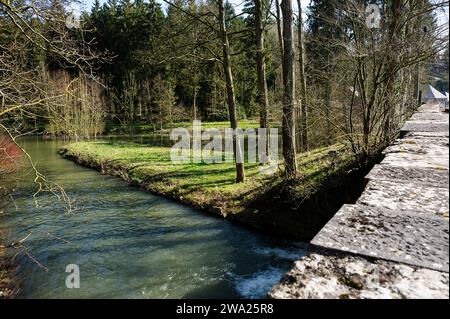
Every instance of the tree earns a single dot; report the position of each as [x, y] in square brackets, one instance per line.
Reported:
[376, 64]
[288, 130]
[302, 79]
[132, 33]
[226, 61]
[217, 19]
[263, 97]
[35, 32]
[279, 26]
[324, 30]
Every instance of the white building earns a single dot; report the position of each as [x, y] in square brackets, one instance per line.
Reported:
[434, 96]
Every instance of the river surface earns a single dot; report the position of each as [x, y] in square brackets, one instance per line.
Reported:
[129, 243]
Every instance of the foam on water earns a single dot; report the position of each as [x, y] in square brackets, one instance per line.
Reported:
[259, 284]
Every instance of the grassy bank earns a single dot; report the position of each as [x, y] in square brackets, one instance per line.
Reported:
[212, 187]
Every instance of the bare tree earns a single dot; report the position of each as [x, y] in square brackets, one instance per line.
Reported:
[374, 62]
[29, 27]
[263, 95]
[288, 130]
[226, 61]
[302, 79]
[279, 26]
[215, 21]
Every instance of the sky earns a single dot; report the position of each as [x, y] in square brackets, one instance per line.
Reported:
[87, 5]
[236, 3]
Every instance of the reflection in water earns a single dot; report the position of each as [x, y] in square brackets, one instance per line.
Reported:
[131, 244]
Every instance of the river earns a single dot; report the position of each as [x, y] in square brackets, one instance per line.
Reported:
[129, 243]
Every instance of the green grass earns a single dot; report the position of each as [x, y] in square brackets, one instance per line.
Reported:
[208, 186]
[244, 124]
[150, 129]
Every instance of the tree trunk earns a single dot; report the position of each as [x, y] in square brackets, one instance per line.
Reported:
[288, 131]
[417, 96]
[298, 126]
[194, 103]
[263, 98]
[389, 102]
[240, 174]
[301, 62]
[279, 28]
[261, 65]
[327, 99]
[417, 27]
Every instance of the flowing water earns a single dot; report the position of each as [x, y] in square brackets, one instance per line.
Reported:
[129, 243]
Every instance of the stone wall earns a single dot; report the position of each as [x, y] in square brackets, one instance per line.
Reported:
[394, 241]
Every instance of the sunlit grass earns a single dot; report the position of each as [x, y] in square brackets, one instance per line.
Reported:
[244, 124]
[201, 184]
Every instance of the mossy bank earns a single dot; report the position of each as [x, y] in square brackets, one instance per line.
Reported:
[297, 209]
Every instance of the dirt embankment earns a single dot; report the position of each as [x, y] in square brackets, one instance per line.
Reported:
[8, 282]
[10, 157]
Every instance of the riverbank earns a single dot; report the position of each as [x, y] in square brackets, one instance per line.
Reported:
[297, 210]
[8, 283]
[10, 156]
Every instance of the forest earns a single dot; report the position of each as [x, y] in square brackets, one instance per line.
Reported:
[104, 83]
[344, 72]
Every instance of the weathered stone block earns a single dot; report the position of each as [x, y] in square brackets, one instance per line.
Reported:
[430, 116]
[409, 159]
[425, 176]
[334, 275]
[408, 237]
[424, 126]
[406, 197]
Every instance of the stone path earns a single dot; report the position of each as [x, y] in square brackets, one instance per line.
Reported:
[394, 242]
